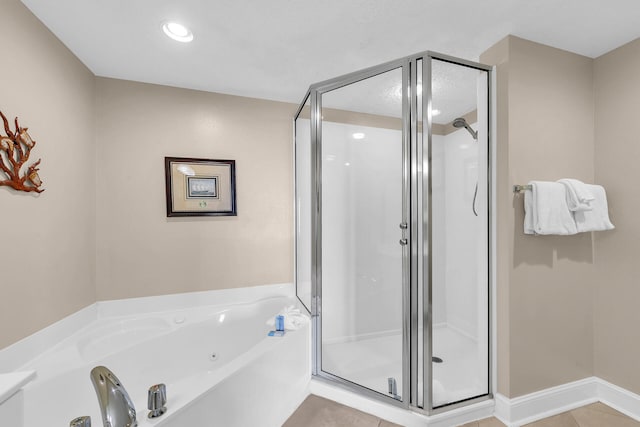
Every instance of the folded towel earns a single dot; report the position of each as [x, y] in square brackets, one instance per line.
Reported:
[546, 210]
[528, 213]
[579, 197]
[597, 219]
[293, 318]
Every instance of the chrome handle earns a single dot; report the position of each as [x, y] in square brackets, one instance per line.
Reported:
[404, 242]
[156, 400]
[393, 387]
[81, 422]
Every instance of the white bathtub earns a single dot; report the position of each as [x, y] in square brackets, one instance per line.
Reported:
[218, 364]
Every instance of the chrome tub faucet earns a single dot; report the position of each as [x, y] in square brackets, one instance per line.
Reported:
[115, 404]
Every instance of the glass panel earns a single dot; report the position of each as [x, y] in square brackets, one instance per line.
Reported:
[362, 188]
[460, 220]
[303, 205]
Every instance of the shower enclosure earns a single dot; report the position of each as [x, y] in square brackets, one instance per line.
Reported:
[392, 230]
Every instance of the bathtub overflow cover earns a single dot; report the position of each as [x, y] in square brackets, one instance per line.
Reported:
[213, 357]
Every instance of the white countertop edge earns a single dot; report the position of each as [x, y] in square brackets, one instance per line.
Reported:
[11, 382]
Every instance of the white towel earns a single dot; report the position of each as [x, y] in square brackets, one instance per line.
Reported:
[528, 212]
[293, 318]
[579, 196]
[596, 219]
[546, 210]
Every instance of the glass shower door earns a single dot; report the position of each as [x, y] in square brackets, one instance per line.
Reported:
[392, 230]
[459, 221]
[363, 232]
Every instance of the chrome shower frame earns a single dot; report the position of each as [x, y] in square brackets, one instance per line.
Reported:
[416, 204]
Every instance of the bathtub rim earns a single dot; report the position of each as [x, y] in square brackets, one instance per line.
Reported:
[29, 348]
[12, 382]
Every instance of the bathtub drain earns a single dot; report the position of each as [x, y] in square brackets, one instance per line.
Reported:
[213, 357]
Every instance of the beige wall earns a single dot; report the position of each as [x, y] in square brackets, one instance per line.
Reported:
[49, 258]
[140, 251]
[563, 313]
[617, 312]
[48, 241]
[545, 292]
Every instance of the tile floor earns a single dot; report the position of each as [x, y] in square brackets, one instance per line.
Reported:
[319, 412]
[594, 415]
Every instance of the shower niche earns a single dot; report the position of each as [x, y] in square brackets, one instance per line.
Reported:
[392, 230]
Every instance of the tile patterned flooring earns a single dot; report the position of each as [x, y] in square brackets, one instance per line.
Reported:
[594, 415]
[319, 412]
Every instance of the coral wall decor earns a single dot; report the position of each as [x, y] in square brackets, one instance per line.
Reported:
[15, 149]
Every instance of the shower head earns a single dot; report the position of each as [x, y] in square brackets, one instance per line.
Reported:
[462, 123]
[459, 123]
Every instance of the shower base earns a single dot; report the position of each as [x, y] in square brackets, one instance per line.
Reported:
[369, 362]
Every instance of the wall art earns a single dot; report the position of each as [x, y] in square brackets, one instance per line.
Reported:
[200, 187]
[15, 149]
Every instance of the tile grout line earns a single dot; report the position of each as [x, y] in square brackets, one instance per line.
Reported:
[574, 419]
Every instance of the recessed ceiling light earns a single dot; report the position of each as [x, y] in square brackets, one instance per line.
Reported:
[177, 32]
[358, 135]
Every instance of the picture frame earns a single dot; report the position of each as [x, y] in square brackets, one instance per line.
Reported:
[200, 187]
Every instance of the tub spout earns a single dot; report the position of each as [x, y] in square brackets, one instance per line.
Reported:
[115, 404]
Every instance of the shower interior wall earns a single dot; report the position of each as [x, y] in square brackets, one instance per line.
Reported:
[360, 174]
[362, 290]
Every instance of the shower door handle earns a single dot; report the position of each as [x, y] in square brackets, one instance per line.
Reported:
[404, 242]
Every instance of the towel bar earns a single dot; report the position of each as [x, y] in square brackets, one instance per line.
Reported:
[521, 188]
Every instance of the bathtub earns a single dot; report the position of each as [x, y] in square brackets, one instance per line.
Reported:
[218, 364]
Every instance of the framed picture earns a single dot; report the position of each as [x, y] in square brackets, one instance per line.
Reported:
[200, 187]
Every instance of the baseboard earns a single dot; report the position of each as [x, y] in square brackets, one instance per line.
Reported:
[514, 412]
[555, 400]
[619, 399]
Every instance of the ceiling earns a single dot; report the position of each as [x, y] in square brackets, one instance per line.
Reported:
[274, 49]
